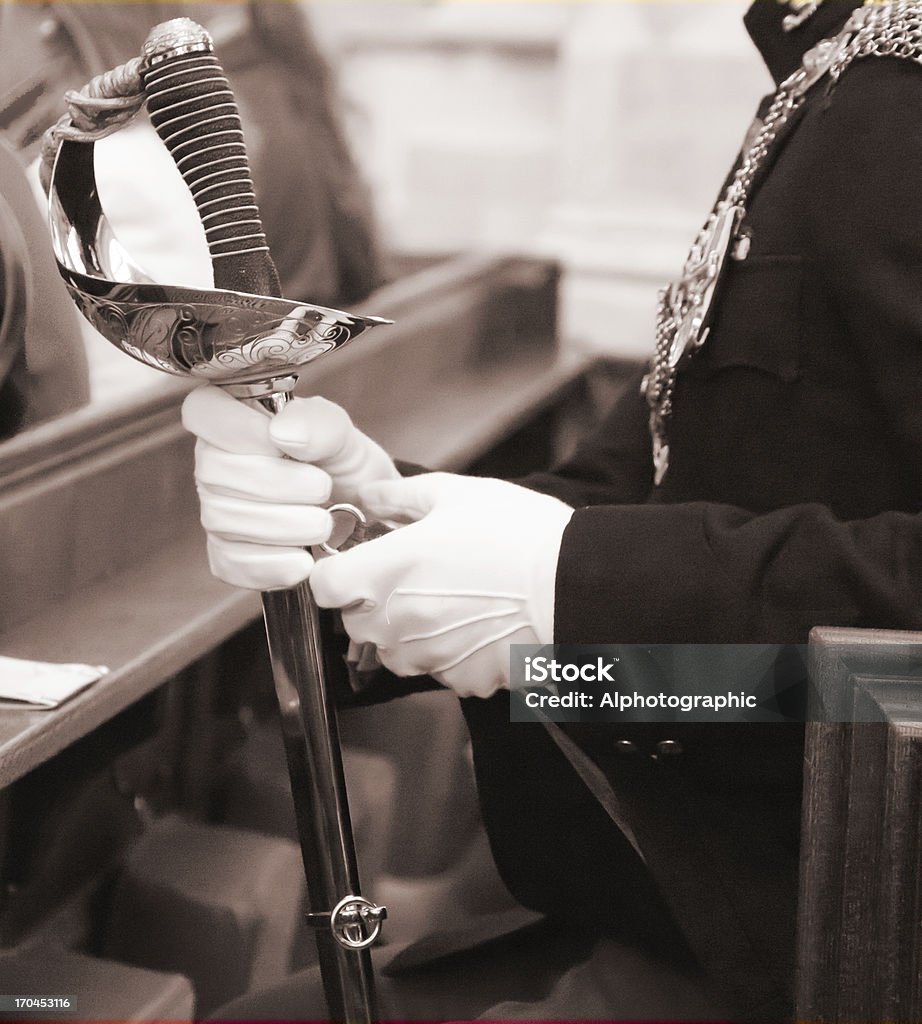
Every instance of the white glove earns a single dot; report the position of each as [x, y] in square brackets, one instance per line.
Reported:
[260, 510]
[447, 595]
[320, 432]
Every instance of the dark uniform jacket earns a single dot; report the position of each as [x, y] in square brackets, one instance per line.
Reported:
[791, 501]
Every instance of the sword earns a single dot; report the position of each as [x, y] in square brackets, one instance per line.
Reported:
[245, 337]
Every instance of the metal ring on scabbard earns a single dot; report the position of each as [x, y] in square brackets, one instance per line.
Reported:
[354, 922]
[360, 529]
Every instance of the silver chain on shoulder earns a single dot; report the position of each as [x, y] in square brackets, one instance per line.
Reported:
[880, 28]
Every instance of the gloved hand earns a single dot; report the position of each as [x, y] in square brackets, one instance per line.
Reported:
[260, 509]
[447, 595]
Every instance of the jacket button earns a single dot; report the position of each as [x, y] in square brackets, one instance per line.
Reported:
[625, 747]
[668, 750]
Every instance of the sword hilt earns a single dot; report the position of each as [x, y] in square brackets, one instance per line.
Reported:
[194, 112]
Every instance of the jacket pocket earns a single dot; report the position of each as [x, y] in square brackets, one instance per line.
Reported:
[759, 322]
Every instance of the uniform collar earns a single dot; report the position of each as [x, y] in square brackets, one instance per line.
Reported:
[782, 51]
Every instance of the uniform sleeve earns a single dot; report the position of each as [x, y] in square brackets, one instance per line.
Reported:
[704, 573]
[710, 573]
[613, 465]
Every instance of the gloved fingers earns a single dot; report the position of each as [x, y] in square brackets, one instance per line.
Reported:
[279, 525]
[449, 617]
[410, 498]
[479, 676]
[364, 625]
[372, 622]
[256, 567]
[260, 478]
[431, 631]
[400, 661]
[369, 626]
[470, 664]
[363, 575]
[211, 414]
[361, 460]
[312, 430]
[487, 669]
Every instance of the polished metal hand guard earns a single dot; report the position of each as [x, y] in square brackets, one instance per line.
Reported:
[222, 337]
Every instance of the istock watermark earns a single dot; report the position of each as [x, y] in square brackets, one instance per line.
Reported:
[662, 683]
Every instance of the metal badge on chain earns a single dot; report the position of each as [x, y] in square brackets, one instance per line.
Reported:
[880, 28]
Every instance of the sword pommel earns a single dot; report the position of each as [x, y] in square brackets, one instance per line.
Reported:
[175, 38]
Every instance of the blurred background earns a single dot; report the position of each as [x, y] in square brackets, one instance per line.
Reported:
[595, 133]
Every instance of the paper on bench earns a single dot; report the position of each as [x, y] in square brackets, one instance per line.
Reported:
[42, 684]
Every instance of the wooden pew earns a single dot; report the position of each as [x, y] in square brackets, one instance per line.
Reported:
[860, 906]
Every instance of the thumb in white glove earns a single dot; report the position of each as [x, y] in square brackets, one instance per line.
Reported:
[447, 595]
[321, 432]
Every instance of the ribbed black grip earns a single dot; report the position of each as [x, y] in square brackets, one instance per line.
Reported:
[194, 112]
